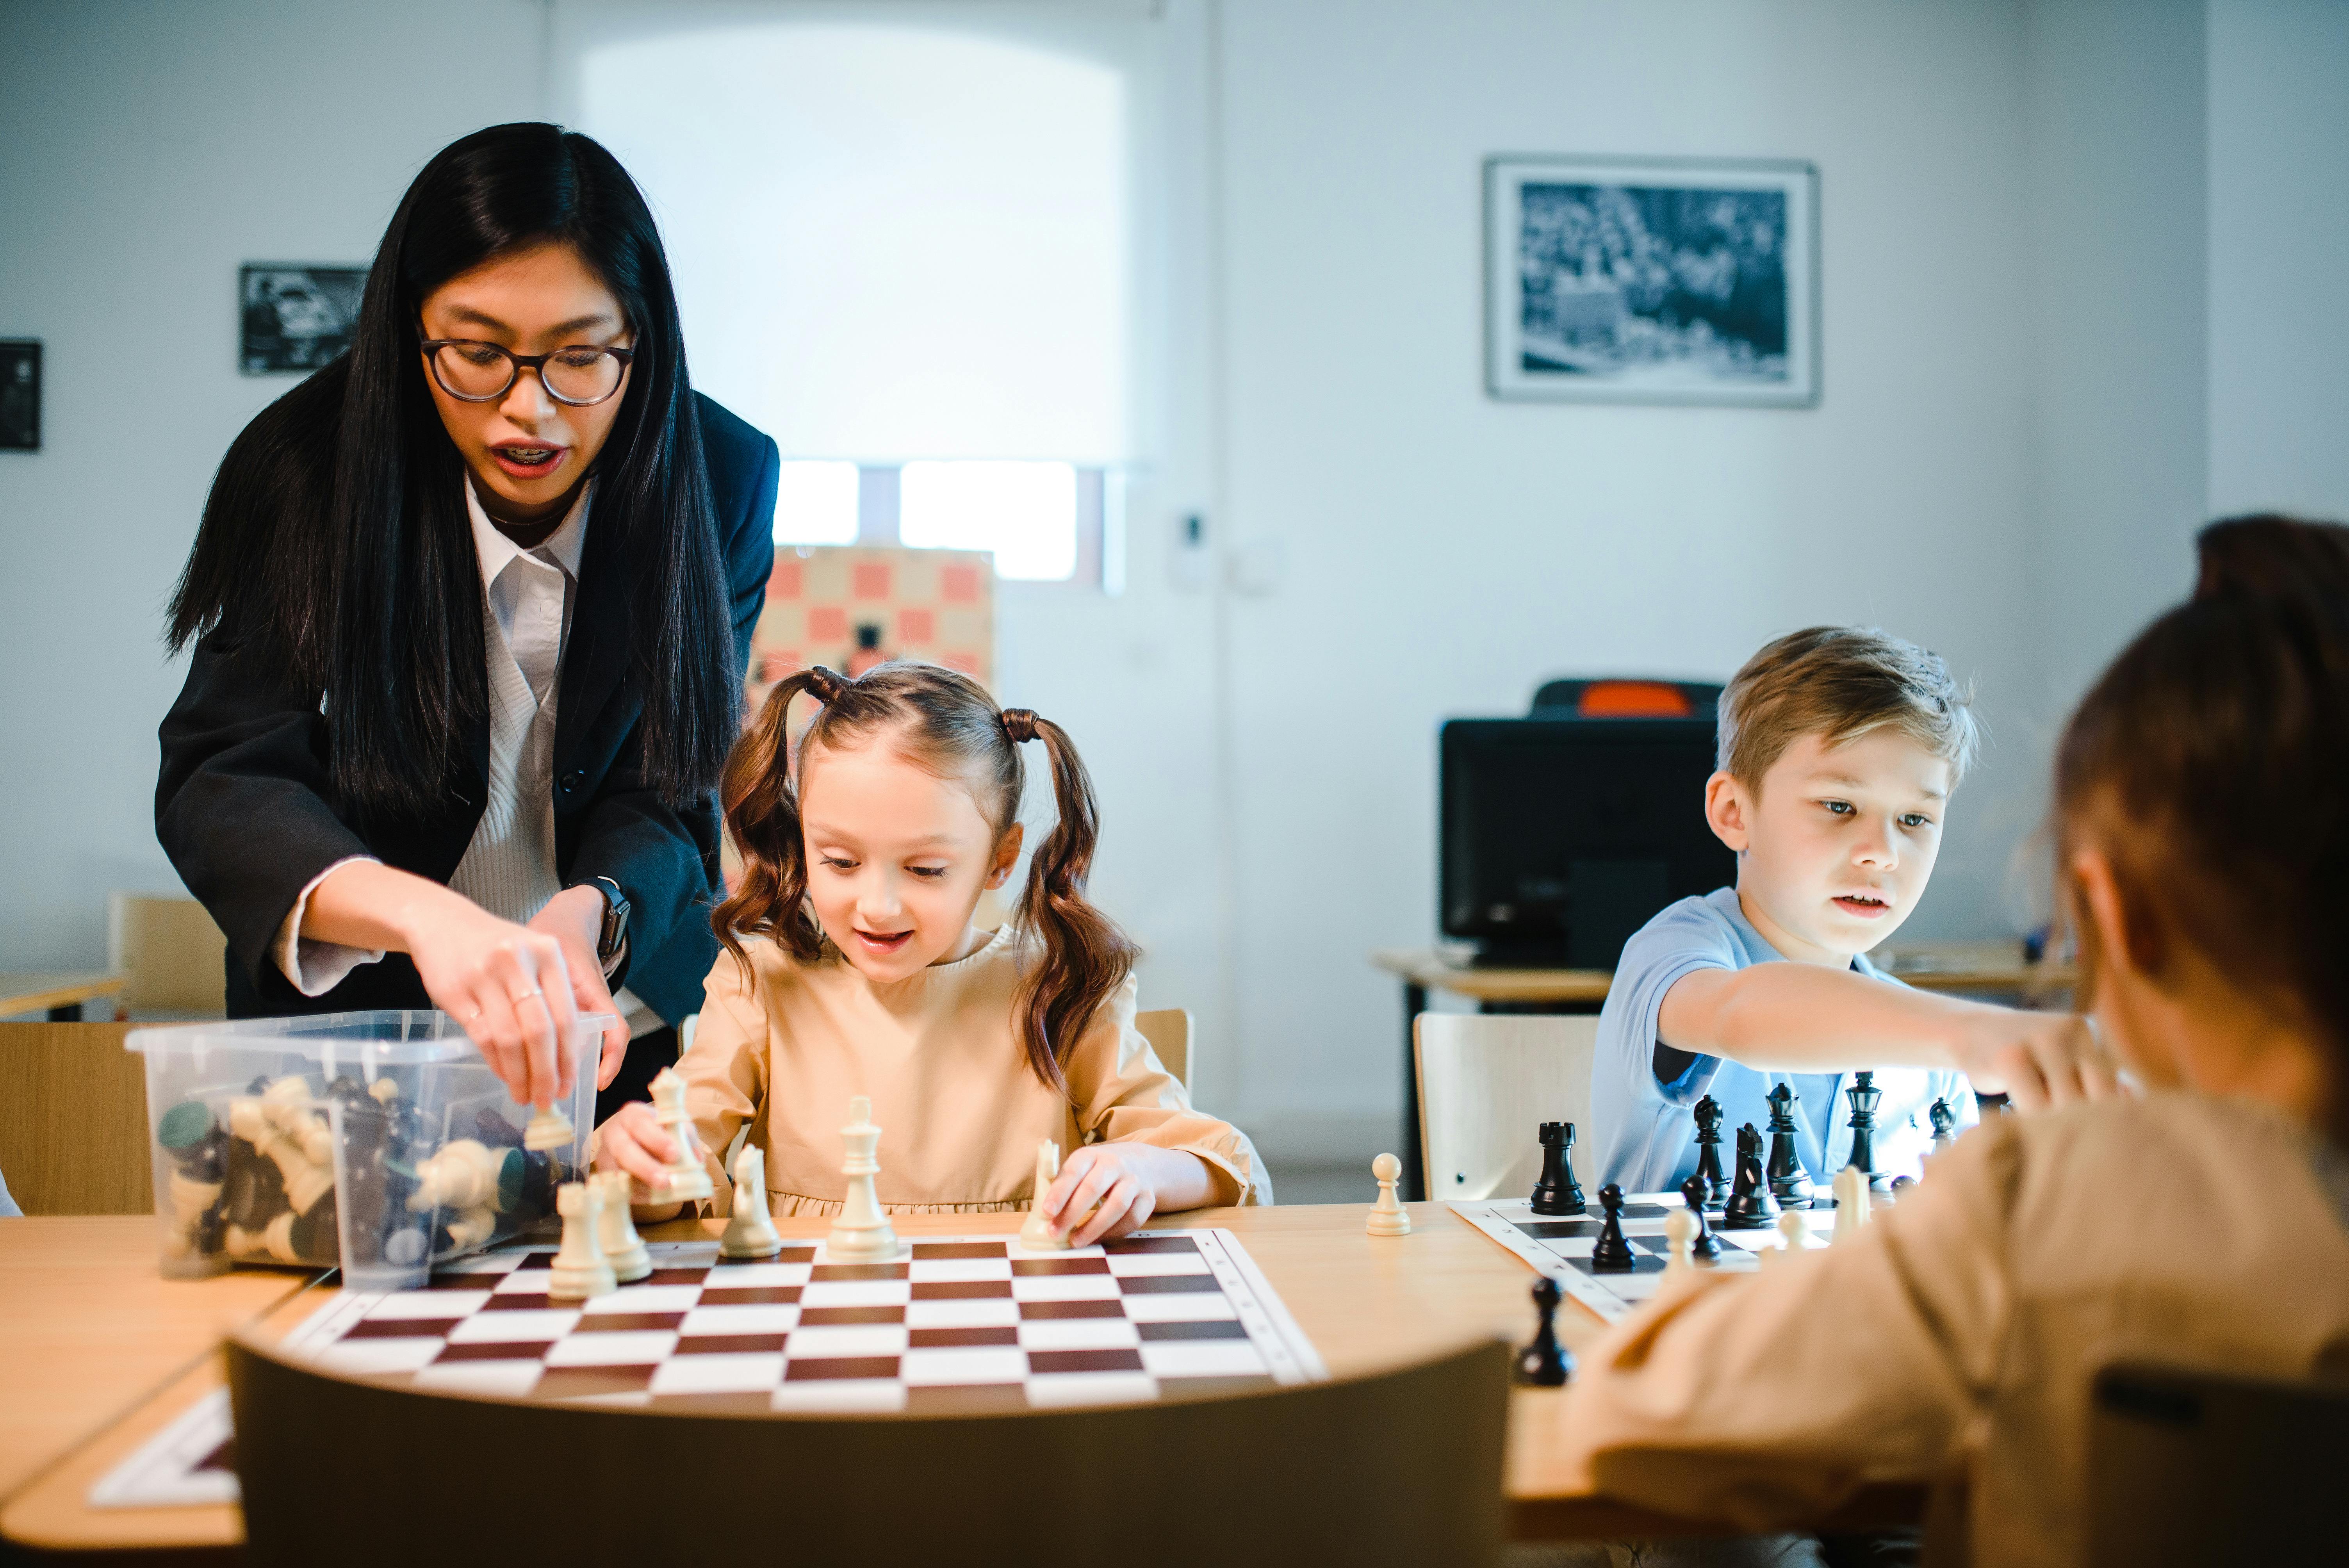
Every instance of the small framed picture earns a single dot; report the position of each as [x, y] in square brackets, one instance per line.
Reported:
[295, 316]
[20, 395]
[1632, 279]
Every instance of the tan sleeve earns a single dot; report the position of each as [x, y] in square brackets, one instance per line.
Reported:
[725, 1073]
[1765, 1397]
[1123, 1094]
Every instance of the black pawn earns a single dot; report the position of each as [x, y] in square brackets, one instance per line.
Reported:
[1557, 1191]
[1944, 1119]
[1864, 1094]
[1544, 1364]
[1750, 1205]
[1789, 1182]
[1708, 1152]
[1612, 1254]
[1707, 1244]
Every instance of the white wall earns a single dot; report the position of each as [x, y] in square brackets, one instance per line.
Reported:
[151, 148]
[2279, 256]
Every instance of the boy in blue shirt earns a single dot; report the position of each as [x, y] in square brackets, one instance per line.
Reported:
[1839, 748]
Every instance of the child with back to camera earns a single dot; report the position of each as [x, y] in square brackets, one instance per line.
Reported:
[853, 967]
[1839, 750]
[2202, 844]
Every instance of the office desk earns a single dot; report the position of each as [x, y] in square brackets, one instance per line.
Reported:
[58, 991]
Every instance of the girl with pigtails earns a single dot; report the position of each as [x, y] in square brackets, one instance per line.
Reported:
[853, 965]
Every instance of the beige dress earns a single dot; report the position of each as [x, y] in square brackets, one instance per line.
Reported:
[1962, 1328]
[959, 1111]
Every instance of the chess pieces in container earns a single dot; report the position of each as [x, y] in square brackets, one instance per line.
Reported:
[1790, 1184]
[1708, 1152]
[1864, 1095]
[751, 1231]
[1852, 1198]
[198, 1149]
[1545, 1363]
[1750, 1207]
[862, 1234]
[468, 1174]
[684, 1180]
[1702, 1243]
[1387, 1217]
[580, 1270]
[549, 1129]
[623, 1248]
[1612, 1253]
[1557, 1191]
[1036, 1232]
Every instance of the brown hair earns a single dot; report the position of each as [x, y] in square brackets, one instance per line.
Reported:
[2270, 554]
[2211, 763]
[1841, 682]
[948, 724]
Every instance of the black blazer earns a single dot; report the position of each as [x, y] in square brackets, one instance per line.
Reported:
[247, 810]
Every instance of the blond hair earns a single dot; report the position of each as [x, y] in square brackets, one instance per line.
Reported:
[1841, 682]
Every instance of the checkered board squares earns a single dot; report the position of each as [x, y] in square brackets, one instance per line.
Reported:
[1561, 1247]
[937, 605]
[959, 1324]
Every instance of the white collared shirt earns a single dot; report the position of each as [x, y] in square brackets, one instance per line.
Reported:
[509, 867]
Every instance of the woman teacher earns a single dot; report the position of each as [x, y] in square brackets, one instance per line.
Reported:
[469, 608]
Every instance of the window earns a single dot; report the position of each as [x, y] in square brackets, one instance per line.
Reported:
[816, 503]
[899, 248]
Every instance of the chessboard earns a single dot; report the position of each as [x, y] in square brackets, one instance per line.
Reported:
[958, 1324]
[1560, 1247]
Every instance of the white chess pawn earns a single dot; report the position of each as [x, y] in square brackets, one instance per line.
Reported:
[1851, 1202]
[1037, 1234]
[862, 1234]
[550, 1129]
[686, 1180]
[580, 1268]
[1791, 1231]
[750, 1232]
[1679, 1233]
[1387, 1217]
[623, 1248]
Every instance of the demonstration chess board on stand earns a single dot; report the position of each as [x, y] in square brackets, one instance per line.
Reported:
[958, 1323]
[1560, 1246]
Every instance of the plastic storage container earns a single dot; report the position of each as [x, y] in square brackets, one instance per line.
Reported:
[377, 1141]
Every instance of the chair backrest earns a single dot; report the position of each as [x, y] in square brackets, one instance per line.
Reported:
[1168, 1030]
[73, 1119]
[1402, 1467]
[2189, 1466]
[168, 952]
[1486, 1082]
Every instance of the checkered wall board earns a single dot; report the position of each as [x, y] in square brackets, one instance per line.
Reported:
[1560, 1246]
[960, 1324]
[937, 605]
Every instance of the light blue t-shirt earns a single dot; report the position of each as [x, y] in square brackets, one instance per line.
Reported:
[1650, 1128]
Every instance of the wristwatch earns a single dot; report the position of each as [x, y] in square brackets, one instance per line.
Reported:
[612, 940]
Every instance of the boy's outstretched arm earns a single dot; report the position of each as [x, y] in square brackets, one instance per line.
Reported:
[1804, 1017]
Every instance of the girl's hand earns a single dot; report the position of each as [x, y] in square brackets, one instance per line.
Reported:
[633, 1141]
[1120, 1186]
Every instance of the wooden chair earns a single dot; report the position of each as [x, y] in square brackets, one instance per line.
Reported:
[72, 1120]
[1168, 1030]
[1399, 1469]
[2190, 1466]
[170, 953]
[1486, 1082]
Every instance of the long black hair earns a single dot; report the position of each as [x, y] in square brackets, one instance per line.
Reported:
[336, 541]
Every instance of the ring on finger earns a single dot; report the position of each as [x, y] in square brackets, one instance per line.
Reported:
[519, 997]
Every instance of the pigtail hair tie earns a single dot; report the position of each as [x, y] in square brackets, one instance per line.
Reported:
[1020, 724]
[825, 685]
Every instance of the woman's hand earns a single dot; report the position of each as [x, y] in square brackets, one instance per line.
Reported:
[511, 987]
[1120, 1186]
[575, 917]
[632, 1140]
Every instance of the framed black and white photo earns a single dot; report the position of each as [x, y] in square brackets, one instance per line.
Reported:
[294, 316]
[20, 395]
[1634, 280]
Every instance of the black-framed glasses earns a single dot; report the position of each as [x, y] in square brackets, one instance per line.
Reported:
[475, 372]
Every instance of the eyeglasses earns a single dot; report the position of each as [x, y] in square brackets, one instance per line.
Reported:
[474, 372]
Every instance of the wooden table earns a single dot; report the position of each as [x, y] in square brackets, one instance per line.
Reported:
[1366, 1303]
[58, 991]
[1990, 967]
